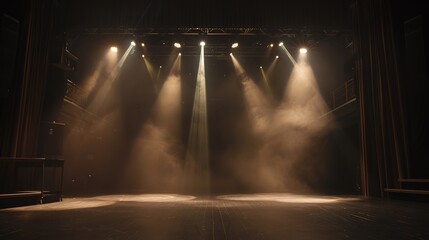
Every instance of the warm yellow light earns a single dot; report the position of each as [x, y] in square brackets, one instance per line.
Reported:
[114, 49]
[180, 54]
[160, 66]
[230, 54]
[177, 45]
[280, 44]
[133, 43]
[303, 50]
[260, 67]
[234, 45]
[271, 45]
[143, 56]
[142, 44]
[277, 56]
[202, 43]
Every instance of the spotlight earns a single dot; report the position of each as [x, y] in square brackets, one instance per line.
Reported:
[303, 50]
[114, 49]
[260, 67]
[143, 56]
[271, 45]
[142, 44]
[180, 54]
[202, 43]
[177, 45]
[234, 45]
[230, 54]
[160, 66]
[133, 43]
[277, 56]
[280, 44]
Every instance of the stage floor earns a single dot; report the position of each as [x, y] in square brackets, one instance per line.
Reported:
[251, 216]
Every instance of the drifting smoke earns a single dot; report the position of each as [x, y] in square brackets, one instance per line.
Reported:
[101, 72]
[98, 95]
[257, 106]
[287, 149]
[93, 140]
[90, 143]
[157, 156]
[155, 164]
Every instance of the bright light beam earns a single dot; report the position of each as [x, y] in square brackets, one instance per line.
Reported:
[238, 69]
[288, 54]
[105, 65]
[266, 84]
[151, 71]
[95, 103]
[301, 129]
[197, 155]
[271, 67]
[302, 96]
[258, 108]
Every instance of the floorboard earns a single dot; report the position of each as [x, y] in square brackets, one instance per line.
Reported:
[253, 216]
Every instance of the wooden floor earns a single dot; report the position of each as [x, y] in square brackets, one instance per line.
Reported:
[254, 216]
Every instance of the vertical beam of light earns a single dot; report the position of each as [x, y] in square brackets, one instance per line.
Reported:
[266, 84]
[94, 104]
[157, 154]
[157, 82]
[297, 132]
[302, 93]
[151, 71]
[197, 155]
[271, 68]
[288, 54]
[265, 80]
[302, 97]
[290, 155]
[258, 108]
[267, 76]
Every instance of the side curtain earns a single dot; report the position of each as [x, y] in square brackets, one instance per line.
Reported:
[383, 146]
[31, 78]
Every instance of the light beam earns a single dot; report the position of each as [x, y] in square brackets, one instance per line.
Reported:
[197, 154]
[157, 153]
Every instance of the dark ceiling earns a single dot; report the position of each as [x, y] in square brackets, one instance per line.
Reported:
[254, 24]
[149, 16]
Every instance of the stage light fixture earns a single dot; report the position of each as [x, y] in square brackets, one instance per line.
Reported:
[180, 54]
[230, 54]
[114, 49]
[177, 45]
[234, 45]
[142, 44]
[133, 43]
[280, 44]
[202, 43]
[303, 50]
[160, 66]
[260, 67]
[143, 56]
[277, 56]
[271, 45]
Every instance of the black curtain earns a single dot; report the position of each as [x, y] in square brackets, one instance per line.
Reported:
[383, 144]
[28, 95]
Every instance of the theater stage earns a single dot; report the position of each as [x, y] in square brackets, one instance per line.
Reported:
[251, 216]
